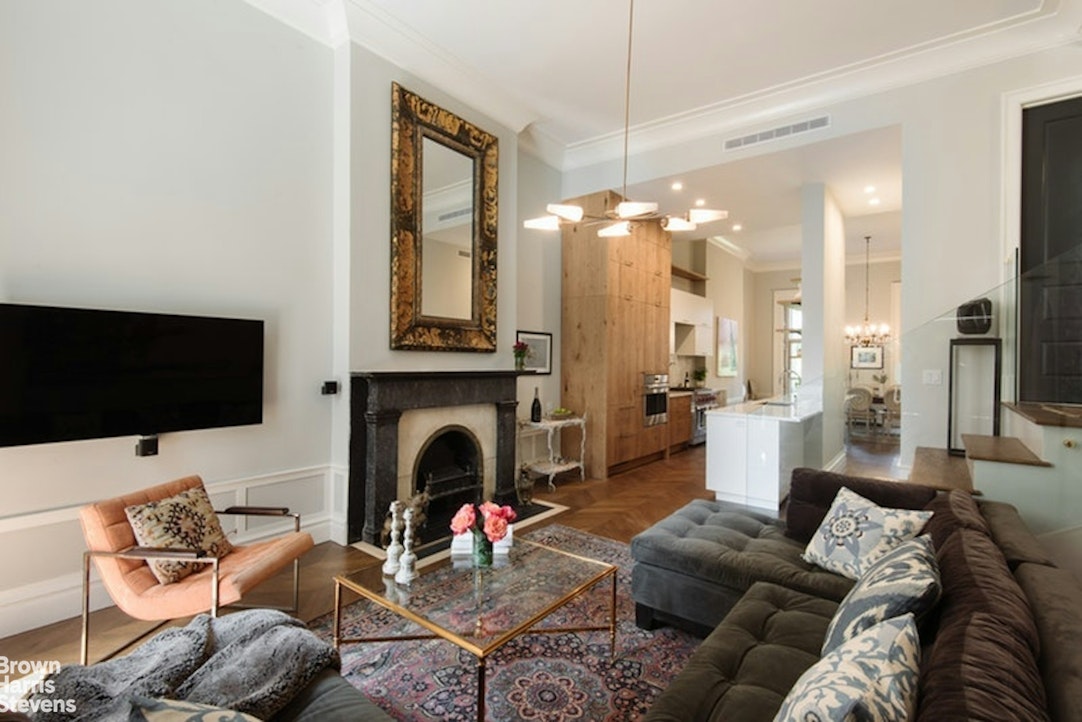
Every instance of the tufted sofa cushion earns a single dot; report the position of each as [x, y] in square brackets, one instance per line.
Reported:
[747, 665]
[696, 563]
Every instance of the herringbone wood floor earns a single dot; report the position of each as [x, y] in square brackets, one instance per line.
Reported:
[617, 508]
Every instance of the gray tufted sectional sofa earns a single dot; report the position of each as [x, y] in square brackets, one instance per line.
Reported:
[1004, 641]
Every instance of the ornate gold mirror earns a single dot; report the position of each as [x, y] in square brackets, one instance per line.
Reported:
[444, 213]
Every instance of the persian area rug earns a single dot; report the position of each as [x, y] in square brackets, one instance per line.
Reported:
[537, 677]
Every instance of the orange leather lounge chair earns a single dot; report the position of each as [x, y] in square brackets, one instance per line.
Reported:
[132, 585]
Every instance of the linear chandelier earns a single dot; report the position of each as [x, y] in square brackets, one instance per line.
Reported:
[618, 220]
[868, 334]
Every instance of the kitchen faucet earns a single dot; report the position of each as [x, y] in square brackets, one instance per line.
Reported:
[790, 382]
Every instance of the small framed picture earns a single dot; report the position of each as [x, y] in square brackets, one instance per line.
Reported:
[866, 357]
[539, 351]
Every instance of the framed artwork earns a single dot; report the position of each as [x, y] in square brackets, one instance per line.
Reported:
[727, 347]
[539, 353]
[866, 357]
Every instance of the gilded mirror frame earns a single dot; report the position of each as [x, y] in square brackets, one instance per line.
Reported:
[412, 119]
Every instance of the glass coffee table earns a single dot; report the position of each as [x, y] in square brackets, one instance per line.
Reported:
[480, 610]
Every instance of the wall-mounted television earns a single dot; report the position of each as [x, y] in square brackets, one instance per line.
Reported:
[73, 373]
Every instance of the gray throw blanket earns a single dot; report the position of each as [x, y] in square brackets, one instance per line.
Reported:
[253, 661]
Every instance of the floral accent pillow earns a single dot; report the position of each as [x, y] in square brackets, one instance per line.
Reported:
[149, 709]
[904, 580]
[184, 521]
[856, 532]
[873, 676]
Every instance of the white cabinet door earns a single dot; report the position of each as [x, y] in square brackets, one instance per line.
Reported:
[704, 340]
[680, 306]
[726, 456]
[763, 462]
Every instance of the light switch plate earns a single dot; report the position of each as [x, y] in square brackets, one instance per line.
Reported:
[932, 377]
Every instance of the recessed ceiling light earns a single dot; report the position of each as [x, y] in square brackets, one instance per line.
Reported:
[677, 186]
[869, 189]
[737, 227]
[700, 202]
[873, 201]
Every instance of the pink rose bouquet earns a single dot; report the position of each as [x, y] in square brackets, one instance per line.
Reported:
[493, 520]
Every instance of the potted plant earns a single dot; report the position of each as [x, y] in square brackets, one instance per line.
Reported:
[700, 376]
[879, 379]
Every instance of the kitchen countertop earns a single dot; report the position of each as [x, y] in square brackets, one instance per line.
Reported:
[680, 392]
[801, 410]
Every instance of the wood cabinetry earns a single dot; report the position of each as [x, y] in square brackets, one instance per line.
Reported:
[615, 328]
[679, 421]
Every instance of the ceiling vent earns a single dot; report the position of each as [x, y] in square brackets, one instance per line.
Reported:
[465, 254]
[451, 215]
[782, 131]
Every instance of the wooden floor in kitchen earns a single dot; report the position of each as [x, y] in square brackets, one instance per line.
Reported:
[617, 508]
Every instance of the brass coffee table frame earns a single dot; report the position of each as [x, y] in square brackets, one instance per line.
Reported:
[356, 581]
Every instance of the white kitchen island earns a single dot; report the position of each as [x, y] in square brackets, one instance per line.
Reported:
[752, 449]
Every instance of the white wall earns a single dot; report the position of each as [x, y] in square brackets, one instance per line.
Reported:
[823, 302]
[539, 278]
[725, 288]
[370, 235]
[176, 157]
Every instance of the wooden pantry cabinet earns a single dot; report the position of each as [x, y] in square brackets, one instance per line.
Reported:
[615, 328]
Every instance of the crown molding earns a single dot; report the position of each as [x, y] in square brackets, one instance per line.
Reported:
[379, 32]
[332, 22]
[1042, 29]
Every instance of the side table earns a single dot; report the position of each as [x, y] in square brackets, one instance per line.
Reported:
[557, 464]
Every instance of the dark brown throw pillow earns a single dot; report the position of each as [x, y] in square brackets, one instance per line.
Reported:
[953, 510]
[1012, 536]
[980, 670]
[812, 491]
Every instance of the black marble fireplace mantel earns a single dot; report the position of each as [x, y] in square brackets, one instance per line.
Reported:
[377, 400]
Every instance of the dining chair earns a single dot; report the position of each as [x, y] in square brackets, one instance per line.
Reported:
[892, 400]
[858, 408]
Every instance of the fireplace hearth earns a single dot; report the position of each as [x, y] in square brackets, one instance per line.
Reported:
[389, 409]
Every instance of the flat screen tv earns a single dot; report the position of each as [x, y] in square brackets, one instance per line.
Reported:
[71, 373]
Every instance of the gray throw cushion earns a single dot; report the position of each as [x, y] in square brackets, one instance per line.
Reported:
[856, 532]
[904, 580]
[870, 677]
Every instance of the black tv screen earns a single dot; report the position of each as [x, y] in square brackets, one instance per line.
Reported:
[68, 373]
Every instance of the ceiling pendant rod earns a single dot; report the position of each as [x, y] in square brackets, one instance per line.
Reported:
[867, 245]
[627, 90]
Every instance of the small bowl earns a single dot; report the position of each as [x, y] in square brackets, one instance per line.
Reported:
[564, 415]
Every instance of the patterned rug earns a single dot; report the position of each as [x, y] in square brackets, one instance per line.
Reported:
[537, 677]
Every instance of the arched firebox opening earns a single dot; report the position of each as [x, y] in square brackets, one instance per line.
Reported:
[449, 468]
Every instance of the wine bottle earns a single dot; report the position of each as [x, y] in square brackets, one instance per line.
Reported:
[535, 407]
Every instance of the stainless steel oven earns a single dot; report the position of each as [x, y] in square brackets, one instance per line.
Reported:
[655, 399]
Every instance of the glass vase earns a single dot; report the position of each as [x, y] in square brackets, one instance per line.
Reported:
[482, 551]
[520, 363]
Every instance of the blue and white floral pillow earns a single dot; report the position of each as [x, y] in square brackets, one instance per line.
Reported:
[871, 677]
[905, 579]
[856, 532]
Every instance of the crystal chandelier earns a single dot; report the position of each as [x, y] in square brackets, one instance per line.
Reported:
[867, 334]
[618, 221]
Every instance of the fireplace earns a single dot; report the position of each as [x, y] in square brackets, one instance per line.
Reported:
[395, 419]
[449, 472]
